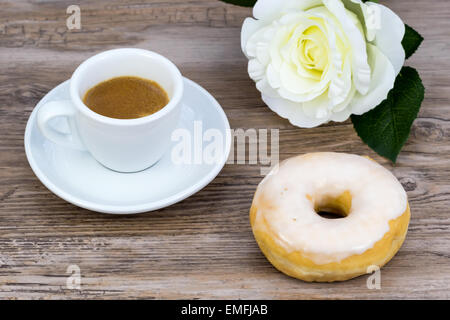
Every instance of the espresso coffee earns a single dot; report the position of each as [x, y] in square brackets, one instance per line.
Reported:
[126, 97]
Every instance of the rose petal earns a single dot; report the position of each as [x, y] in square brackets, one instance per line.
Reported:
[390, 35]
[267, 9]
[249, 27]
[292, 111]
[345, 104]
[256, 70]
[251, 47]
[272, 9]
[383, 77]
[341, 84]
[318, 107]
[338, 113]
[341, 116]
[361, 69]
[273, 77]
[263, 52]
[300, 5]
[291, 81]
[363, 13]
[298, 89]
[264, 87]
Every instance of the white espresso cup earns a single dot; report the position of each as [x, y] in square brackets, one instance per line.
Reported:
[124, 145]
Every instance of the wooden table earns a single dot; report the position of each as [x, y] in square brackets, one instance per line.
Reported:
[201, 247]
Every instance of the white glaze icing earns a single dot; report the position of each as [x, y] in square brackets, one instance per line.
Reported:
[377, 198]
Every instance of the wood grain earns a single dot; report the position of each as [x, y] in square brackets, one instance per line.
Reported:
[202, 247]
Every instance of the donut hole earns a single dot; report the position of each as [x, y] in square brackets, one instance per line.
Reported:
[332, 207]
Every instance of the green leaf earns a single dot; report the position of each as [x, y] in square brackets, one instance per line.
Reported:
[242, 3]
[411, 41]
[386, 128]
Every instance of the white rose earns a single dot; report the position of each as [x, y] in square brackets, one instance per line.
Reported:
[319, 60]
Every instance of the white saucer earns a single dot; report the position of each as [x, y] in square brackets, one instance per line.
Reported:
[79, 179]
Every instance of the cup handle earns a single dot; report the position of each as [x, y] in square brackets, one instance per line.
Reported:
[55, 109]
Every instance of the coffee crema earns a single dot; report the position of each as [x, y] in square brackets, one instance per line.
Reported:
[126, 97]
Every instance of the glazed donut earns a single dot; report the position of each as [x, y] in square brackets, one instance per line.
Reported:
[299, 242]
